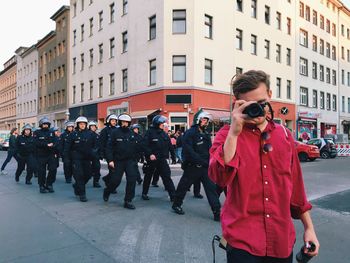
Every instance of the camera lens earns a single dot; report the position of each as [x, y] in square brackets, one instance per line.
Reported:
[254, 110]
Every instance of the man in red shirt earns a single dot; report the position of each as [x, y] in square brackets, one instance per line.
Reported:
[256, 160]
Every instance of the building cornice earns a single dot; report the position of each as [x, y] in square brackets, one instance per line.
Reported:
[45, 39]
[59, 12]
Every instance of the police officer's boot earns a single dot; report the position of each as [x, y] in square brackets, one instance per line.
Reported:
[216, 214]
[145, 197]
[198, 196]
[75, 189]
[178, 209]
[83, 198]
[96, 184]
[106, 194]
[28, 182]
[43, 190]
[50, 189]
[129, 205]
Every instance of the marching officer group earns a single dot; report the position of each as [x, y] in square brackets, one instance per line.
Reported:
[81, 149]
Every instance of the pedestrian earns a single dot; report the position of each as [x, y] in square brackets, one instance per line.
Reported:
[256, 159]
[67, 162]
[179, 146]
[122, 150]
[25, 149]
[110, 125]
[81, 147]
[140, 157]
[95, 163]
[44, 143]
[196, 145]
[11, 152]
[157, 145]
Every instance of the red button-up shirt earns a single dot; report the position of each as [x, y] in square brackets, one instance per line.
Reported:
[265, 190]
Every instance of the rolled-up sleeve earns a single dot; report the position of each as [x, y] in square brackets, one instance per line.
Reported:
[299, 203]
[219, 172]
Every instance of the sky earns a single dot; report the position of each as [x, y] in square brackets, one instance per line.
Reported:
[24, 22]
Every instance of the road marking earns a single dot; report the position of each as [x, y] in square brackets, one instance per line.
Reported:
[151, 243]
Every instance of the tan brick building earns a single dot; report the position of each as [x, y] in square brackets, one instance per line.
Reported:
[8, 95]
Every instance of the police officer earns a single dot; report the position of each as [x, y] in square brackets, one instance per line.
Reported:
[110, 125]
[81, 147]
[95, 163]
[25, 146]
[123, 147]
[44, 142]
[67, 163]
[139, 158]
[156, 146]
[195, 153]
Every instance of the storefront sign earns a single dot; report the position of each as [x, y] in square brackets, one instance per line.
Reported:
[311, 115]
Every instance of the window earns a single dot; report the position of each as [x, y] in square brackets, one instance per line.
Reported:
[125, 41]
[334, 102]
[321, 46]
[314, 17]
[289, 89]
[289, 56]
[111, 84]
[100, 87]
[179, 21]
[342, 53]
[321, 73]
[81, 92]
[239, 5]
[74, 9]
[278, 87]
[343, 103]
[304, 96]
[288, 26]
[301, 9]
[253, 43]
[179, 68]
[100, 20]
[303, 38]
[348, 105]
[74, 65]
[91, 51]
[125, 7]
[82, 32]
[334, 30]
[343, 77]
[328, 75]
[208, 23]
[321, 21]
[208, 68]
[267, 49]
[111, 13]
[278, 20]
[91, 27]
[342, 30]
[91, 89]
[152, 72]
[74, 95]
[322, 100]
[348, 33]
[328, 50]
[278, 53]
[334, 53]
[314, 43]
[111, 47]
[125, 80]
[303, 66]
[314, 70]
[328, 26]
[267, 14]
[100, 53]
[334, 77]
[348, 55]
[152, 27]
[239, 42]
[82, 5]
[74, 37]
[314, 98]
[253, 8]
[82, 61]
[307, 13]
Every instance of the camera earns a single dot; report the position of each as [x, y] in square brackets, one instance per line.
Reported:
[302, 257]
[255, 110]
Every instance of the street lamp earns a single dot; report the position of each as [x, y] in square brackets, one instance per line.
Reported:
[67, 114]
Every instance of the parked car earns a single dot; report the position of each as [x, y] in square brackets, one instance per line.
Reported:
[307, 152]
[4, 145]
[326, 146]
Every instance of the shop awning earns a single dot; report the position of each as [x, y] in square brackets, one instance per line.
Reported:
[219, 114]
[142, 114]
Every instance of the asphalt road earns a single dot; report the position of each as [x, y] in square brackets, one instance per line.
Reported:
[58, 228]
